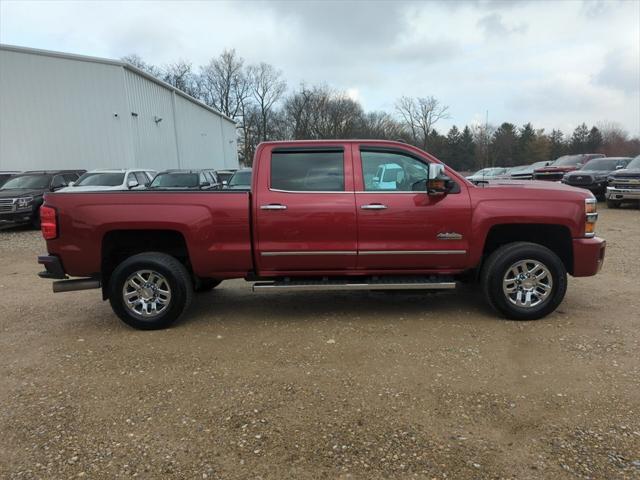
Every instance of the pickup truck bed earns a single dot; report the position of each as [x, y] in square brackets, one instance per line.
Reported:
[320, 217]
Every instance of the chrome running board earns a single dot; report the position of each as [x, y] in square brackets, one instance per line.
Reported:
[418, 283]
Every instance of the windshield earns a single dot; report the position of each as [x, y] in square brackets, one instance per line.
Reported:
[100, 179]
[175, 180]
[606, 164]
[567, 160]
[240, 178]
[28, 181]
[634, 164]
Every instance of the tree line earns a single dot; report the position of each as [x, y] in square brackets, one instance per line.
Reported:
[256, 97]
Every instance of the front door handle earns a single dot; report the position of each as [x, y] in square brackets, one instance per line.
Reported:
[273, 206]
[374, 206]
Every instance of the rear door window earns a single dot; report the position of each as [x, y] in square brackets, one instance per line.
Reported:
[319, 171]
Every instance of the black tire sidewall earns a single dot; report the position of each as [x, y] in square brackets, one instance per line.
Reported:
[167, 266]
[503, 259]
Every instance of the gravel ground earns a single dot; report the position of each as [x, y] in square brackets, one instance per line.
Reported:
[323, 385]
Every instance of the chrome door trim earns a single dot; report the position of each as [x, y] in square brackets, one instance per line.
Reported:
[299, 253]
[412, 252]
[310, 191]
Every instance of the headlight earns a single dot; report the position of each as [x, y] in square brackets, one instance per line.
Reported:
[591, 217]
[24, 203]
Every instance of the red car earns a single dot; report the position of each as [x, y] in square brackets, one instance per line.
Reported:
[564, 164]
[318, 217]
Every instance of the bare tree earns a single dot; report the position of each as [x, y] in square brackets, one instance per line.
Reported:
[419, 116]
[267, 88]
[180, 75]
[138, 62]
[223, 83]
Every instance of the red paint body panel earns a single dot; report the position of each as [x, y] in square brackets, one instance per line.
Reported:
[229, 235]
[588, 256]
[215, 226]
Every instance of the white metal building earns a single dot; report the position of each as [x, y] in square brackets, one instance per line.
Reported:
[64, 111]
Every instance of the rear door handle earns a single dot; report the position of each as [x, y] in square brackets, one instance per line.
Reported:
[374, 206]
[273, 206]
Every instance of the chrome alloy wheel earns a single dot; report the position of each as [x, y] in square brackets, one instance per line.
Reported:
[527, 283]
[146, 293]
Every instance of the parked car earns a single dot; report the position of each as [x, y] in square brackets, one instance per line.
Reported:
[593, 176]
[183, 180]
[225, 175]
[525, 172]
[241, 180]
[22, 195]
[99, 180]
[4, 176]
[310, 222]
[490, 173]
[562, 165]
[624, 184]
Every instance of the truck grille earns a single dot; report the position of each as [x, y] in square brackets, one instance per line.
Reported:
[579, 180]
[552, 176]
[7, 205]
[628, 186]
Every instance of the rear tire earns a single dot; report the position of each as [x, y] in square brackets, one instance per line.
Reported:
[520, 273]
[150, 291]
[613, 203]
[206, 284]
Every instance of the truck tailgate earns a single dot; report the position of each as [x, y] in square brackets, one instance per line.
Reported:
[215, 226]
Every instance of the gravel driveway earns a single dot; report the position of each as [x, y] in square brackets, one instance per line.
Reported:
[322, 385]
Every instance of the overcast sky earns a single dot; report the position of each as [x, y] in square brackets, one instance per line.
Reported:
[554, 63]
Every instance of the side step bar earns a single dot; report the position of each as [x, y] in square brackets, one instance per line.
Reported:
[76, 284]
[422, 283]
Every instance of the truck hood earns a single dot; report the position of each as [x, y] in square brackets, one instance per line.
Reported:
[534, 189]
[552, 169]
[21, 192]
[589, 173]
[635, 173]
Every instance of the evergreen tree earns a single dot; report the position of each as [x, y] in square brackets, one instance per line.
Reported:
[451, 155]
[504, 145]
[579, 139]
[467, 150]
[557, 147]
[594, 140]
[525, 145]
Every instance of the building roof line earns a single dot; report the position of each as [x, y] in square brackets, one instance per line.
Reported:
[117, 63]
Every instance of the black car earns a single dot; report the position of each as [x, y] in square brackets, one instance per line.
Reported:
[593, 176]
[185, 180]
[22, 195]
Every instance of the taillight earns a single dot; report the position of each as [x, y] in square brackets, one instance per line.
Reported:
[591, 217]
[48, 222]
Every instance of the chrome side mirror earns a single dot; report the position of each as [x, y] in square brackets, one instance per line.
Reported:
[437, 180]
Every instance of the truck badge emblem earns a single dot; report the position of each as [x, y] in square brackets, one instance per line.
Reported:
[449, 236]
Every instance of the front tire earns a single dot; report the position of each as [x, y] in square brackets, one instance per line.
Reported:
[150, 291]
[524, 281]
[613, 203]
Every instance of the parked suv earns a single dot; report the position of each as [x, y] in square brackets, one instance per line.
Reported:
[22, 195]
[593, 176]
[624, 184]
[562, 165]
[101, 180]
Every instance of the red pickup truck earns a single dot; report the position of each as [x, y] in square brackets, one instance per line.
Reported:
[332, 215]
